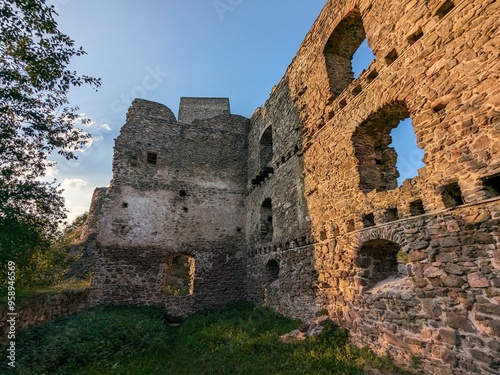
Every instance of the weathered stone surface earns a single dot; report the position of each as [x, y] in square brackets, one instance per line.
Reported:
[477, 280]
[416, 256]
[177, 189]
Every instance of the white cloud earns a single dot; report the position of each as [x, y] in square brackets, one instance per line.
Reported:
[75, 211]
[51, 171]
[90, 124]
[73, 183]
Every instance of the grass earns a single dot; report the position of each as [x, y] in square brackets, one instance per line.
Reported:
[24, 294]
[241, 339]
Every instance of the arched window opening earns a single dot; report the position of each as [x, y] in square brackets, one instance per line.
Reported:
[347, 52]
[378, 163]
[362, 58]
[409, 155]
[179, 275]
[272, 270]
[266, 148]
[381, 259]
[266, 220]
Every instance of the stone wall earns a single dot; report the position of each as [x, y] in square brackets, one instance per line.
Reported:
[411, 269]
[84, 247]
[436, 299]
[43, 308]
[191, 109]
[176, 189]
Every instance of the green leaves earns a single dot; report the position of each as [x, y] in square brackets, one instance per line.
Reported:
[35, 121]
[34, 82]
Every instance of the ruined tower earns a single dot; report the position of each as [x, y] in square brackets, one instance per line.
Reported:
[178, 189]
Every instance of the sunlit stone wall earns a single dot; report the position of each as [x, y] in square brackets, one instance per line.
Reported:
[412, 270]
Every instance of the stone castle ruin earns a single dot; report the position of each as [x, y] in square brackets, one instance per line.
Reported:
[299, 207]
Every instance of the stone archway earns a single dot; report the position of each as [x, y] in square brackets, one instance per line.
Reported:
[272, 270]
[381, 260]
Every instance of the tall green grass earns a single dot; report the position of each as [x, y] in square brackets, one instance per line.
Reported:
[102, 337]
[241, 339]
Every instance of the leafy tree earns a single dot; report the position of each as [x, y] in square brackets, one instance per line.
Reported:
[35, 121]
[41, 260]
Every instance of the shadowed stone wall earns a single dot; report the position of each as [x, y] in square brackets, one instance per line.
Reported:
[176, 188]
[192, 109]
[43, 308]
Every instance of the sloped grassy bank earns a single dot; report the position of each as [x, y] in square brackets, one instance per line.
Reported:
[241, 339]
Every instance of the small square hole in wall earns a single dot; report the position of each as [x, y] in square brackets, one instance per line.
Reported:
[417, 208]
[492, 184]
[452, 195]
[368, 220]
[124, 204]
[445, 8]
[152, 157]
[415, 36]
[343, 103]
[357, 90]
[391, 57]
[392, 214]
[373, 74]
[182, 193]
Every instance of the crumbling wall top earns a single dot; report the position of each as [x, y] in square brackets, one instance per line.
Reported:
[191, 109]
[145, 110]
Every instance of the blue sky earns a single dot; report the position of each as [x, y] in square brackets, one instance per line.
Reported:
[161, 50]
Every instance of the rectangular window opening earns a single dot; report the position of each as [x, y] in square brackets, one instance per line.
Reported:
[392, 214]
[492, 184]
[415, 36]
[152, 157]
[368, 220]
[391, 57]
[357, 90]
[417, 208]
[452, 195]
[373, 74]
[179, 272]
[445, 8]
